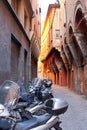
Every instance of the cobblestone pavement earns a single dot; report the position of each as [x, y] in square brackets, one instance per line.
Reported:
[75, 117]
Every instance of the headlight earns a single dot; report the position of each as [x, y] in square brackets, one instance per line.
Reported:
[1, 110]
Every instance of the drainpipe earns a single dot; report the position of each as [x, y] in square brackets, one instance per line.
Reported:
[30, 62]
[68, 77]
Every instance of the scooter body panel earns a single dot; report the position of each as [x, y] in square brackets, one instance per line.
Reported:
[33, 122]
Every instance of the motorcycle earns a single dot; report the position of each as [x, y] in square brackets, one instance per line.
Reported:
[38, 91]
[10, 109]
[41, 88]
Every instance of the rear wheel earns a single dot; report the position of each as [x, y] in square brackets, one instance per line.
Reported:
[59, 128]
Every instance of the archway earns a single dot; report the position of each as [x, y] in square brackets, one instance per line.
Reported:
[81, 39]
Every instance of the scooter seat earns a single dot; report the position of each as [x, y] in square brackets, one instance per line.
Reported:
[33, 122]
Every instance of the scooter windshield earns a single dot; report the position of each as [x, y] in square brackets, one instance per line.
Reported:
[9, 93]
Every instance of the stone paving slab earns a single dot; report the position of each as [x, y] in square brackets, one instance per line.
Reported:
[75, 117]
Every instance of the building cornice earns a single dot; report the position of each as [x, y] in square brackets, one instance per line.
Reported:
[50, 7]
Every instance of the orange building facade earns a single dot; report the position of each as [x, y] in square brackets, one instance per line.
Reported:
[53, 66]
[65, 59]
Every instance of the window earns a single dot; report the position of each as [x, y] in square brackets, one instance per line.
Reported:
[57, 33]
[25, 20]
[36, 11]
[39, 10]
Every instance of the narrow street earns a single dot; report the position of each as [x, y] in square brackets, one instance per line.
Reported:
[75, 117]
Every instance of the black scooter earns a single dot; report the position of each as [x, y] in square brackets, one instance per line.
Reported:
[10, 116]
[38, 91]
[54, 108]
